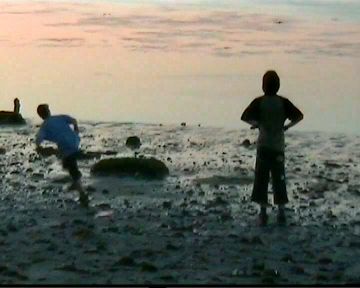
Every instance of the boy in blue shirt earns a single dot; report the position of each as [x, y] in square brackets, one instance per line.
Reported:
[268, 113]
[57, 129]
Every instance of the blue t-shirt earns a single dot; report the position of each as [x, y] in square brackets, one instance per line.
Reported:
[57, 129]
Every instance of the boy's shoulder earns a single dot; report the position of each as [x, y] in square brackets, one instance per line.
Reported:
[60, 117]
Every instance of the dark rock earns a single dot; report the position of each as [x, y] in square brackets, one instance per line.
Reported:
[287, 258]
[183, 124]
[167, 204]
[258, 266]
[169, 246]
[2, 151]
[167, 278]
[256, 240]
[298, 270]
[126, 261]
[133, 142]
[105, 191]
[246, 143]
[148, 267]
[11, 227]
[325, 260]
[149, 168]
[332, 164]
[90, 189]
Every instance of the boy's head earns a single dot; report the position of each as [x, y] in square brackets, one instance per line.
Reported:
[271, 83]
[43, 111]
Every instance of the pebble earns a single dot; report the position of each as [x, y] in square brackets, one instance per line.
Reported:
[126, 261]
[148, 267]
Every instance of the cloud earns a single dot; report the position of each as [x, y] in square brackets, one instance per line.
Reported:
[210, 31]
[61, 42]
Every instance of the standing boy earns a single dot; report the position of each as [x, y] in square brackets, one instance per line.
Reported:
[269, 113]
[57, 129]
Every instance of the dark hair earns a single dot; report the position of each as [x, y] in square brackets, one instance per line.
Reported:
[271, 83]
[43, 110]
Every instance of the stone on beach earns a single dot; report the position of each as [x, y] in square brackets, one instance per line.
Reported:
[150, 168]
[246, 143]
[133, 142]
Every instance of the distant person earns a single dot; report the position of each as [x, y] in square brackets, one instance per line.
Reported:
[16, 106]
[268, 113]
[57, 129]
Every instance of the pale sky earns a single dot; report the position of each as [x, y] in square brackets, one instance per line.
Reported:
[168, 63]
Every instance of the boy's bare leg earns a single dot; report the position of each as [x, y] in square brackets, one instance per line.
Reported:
[83, 196]
[263, 216]
[281, 218]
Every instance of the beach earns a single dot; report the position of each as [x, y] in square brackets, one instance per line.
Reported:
[197, 226]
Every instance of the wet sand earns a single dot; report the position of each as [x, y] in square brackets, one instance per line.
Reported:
[196, 227]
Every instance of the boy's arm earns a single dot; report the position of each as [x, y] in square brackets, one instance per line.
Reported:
[40, 137]
[76, 127]
[72, 121]
[251, 114]
[293, 114]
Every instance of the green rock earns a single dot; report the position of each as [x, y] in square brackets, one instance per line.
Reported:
[150, 168]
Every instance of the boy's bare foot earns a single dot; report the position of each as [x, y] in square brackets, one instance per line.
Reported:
[281, 218]
[263, 219]
[75, 186]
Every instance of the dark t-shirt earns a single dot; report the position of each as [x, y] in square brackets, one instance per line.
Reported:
[270, 112]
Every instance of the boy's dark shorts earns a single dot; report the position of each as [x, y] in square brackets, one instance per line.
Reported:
[269, 161]
[70, 164]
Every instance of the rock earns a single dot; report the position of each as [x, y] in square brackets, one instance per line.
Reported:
[11, 227]
[170, 246]
[246, 143]
[83, 234]
[325, 260]
[2, 151]
[183, 124]
[150, 168]
[332, 164]
[133, 142]
[287, 258]
[126, 261]
[298, 269]
[90, 188]
[167, 204]
[148, 267]
[47, 151]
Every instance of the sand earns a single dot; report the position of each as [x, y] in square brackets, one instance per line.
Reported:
[196, 227]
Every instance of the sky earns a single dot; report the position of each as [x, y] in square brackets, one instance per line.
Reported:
[172, 61]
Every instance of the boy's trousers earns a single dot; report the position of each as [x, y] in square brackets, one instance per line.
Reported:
[269, 161]
[70, 164]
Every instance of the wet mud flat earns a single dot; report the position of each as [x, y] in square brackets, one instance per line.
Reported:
[197, 226]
